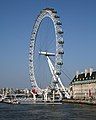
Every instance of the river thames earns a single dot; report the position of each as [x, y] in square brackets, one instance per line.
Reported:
[47, 112]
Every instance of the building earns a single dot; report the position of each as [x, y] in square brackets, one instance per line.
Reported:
[83, 85]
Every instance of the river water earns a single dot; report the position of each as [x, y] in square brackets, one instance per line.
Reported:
[47, 112]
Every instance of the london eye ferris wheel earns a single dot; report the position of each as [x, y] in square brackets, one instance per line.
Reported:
[55, 67]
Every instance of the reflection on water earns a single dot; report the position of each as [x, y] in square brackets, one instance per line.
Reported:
[47, 112]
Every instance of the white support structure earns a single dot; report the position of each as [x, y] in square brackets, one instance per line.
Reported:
[34, 97]
[53, 95]
[55, 77]
[51, 68]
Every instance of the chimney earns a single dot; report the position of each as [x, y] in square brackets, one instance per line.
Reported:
[86, 71]
[91, 70]
[77, 73]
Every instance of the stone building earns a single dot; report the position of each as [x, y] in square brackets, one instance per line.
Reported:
[83, 85]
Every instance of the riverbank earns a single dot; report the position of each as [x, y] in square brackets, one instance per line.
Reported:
[88, 102]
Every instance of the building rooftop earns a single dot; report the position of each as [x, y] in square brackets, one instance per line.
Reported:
[86, 77]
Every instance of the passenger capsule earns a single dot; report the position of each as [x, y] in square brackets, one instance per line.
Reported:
[32, 39]
[59, 23]
[60, 63]
[30, 53]
[33, 33]
[58, 73]
[30, 45]
[54, 11]
[60, 52]
[48, 9]
[60, 32]
[30, 60]
[61, 41]
[56, 16]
